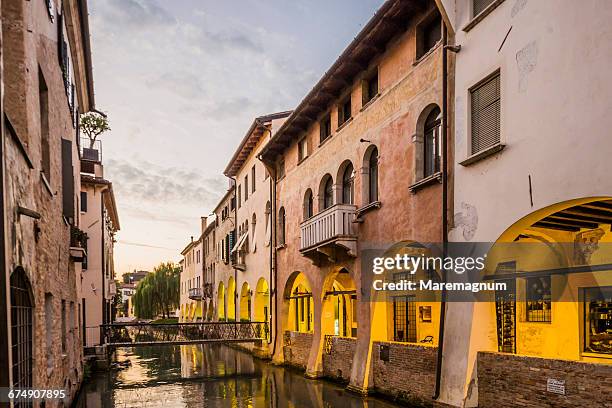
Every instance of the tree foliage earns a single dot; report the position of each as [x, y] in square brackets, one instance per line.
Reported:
[158, 293]
[93, 125]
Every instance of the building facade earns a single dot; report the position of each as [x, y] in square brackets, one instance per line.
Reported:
[47, 82]
[191, 280]
[224, 276]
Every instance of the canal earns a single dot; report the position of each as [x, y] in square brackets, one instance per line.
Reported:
[208, 376]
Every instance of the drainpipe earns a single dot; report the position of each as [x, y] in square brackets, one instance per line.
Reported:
[444, 206]
[236, 235]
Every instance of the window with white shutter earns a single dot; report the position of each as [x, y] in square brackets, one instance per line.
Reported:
[485, 110]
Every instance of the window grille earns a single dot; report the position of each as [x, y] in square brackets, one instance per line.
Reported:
[21, 331]
[485, 106]
[539, 299]
[505, 306]
[404, 319]
[480, 5]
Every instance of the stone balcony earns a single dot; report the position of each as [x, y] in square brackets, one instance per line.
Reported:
[329, 233]
[195, 293]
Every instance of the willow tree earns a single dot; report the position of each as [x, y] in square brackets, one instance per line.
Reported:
[158, 293]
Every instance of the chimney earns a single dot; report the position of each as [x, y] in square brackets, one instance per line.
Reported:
[192, 238]
[203, 220]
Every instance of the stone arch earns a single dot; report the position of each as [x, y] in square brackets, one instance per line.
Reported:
[339, 300]
[298, 304]
[367, 175]
[245, 302]
[231, 300]
[221, 301]
[325, 195]
[345, 180]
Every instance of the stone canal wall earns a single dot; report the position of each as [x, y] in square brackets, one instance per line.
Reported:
[296, 348]
[338, 356]
[507, 380]
[405, 370]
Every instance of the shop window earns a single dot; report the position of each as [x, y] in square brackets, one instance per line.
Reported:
[598, 320]
[539, 299]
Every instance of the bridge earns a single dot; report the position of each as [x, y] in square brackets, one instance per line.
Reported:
[153, 334]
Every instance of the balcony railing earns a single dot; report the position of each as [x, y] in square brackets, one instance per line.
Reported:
[195, 293]
[334, 225]
[91, 152]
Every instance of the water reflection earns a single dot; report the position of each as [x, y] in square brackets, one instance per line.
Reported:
[209, 376]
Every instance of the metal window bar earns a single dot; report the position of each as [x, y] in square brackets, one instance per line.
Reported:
[21, 333]
[505, 306]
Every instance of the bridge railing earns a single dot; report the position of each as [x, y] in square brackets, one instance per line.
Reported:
[125, 334]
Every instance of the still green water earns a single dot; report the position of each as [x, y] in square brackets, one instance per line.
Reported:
[209, 376]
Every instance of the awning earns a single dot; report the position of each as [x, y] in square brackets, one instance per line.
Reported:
[240, 243]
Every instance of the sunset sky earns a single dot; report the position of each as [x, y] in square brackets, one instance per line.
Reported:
[181, 82]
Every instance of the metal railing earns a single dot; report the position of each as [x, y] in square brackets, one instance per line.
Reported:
[333, 222]
[195, 293]
[91, 152]
[93, 336]
[149, 334]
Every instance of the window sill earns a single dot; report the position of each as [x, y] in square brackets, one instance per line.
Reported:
[322, 142]
[477, 19]
[302, 160]
[45, 182]
[344, 124]
[366, 209]
[427, 54]
[370, 102]
[435, 178]
[489, 151]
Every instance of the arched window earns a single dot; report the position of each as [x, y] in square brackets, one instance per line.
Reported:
[373, 176]
[308, 205]
[21, 331]
[281, 226]
[432, 143]
[348, 190]
[328, 198]
[268, 213]
[253, 225]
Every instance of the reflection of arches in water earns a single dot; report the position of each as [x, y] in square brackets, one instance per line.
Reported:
[245, 302]
[231, 299]
[545, 259]
[221, 301]
[22, 305]
[339, 303]
[298, 303]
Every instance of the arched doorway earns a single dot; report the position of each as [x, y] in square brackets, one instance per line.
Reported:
[556, 266]
[339, 317]
[221, 302]
[231, 300]
[262, 301]
[245, 303]
[22, 307]
[299, 305]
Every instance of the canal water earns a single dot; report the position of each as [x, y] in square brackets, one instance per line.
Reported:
[209, 376]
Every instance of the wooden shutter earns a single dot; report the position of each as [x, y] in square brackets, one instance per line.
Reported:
[480, 5]
[67, 180]
[485, 101]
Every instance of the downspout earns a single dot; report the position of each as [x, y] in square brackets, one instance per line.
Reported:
[236, 236]
[444, 206]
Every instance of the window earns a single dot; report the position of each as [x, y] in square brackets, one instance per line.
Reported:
[281, 226]
[328, 193]
[253, 179]
[239, 196]
[429, 32]
[49, 319]
[348, 185]
[308, 205]
[373, 176]
[478, 6]
[370, 87]
[598, 320]
[344, 111]
[246, 188]
[485, 107]
[302, 149]
[43, 101]
[538, 299]
[432, 143]
[324, 128]
[21, 329]
[84, 201]
[281, 169]
[63, 317]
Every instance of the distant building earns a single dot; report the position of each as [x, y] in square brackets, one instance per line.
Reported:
[134, 277]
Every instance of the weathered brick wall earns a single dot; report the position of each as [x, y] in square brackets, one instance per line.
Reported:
[338, 360]
[507, 380]
[410, 373]
[296, 348]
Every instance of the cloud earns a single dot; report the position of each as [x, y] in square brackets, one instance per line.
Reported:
[137, 14]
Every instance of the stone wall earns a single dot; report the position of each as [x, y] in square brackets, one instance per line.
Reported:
[296, 348]
[507, 380]
[409, 373]
[338, 357]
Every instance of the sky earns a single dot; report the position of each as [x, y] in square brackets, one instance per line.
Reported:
[181, 82]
